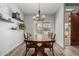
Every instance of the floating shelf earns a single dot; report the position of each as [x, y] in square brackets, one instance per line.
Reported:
[19, 19]
[9, 21]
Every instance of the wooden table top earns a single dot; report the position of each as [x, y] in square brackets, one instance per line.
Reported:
[40, 41]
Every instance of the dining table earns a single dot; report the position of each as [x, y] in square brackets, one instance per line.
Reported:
[40, 45]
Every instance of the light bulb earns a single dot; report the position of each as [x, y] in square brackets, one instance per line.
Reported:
[34, 17]
[37, 15]
[43, 16]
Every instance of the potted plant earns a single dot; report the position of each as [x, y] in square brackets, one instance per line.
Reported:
[22, 26]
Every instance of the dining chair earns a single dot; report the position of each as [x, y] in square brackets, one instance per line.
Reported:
[50, 45]
[29, 44]
[26, 37]
[53, 43]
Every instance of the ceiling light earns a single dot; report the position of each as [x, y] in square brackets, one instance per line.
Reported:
[38, 17]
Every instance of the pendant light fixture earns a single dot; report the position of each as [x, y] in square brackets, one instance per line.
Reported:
[38, 17]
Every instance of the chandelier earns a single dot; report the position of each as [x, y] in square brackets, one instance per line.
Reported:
[38, 17]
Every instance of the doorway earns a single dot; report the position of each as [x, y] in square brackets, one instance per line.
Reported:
[67, 35]
[72, 28]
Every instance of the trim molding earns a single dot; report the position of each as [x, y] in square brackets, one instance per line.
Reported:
[10, 53]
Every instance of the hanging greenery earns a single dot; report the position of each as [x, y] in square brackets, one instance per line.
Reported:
[22, 26]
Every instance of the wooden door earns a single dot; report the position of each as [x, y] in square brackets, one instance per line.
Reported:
[75, 28]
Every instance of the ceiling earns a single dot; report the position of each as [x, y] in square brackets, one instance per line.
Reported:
[32, 8]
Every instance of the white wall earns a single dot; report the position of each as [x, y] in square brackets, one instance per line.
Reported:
[29, 22]
[59, 26]
[9, 39]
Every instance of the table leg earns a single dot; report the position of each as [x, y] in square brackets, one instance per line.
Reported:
[52, 52]
[35, 53]
[43, 52]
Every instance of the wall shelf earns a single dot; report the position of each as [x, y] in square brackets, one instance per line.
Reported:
[16, 16]
[4, 20]
[19, 19]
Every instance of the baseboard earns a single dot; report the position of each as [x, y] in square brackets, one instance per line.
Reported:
[11, 51]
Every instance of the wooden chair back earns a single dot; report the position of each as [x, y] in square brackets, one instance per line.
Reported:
[54, 36]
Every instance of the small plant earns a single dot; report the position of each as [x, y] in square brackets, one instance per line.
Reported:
[22, 26]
